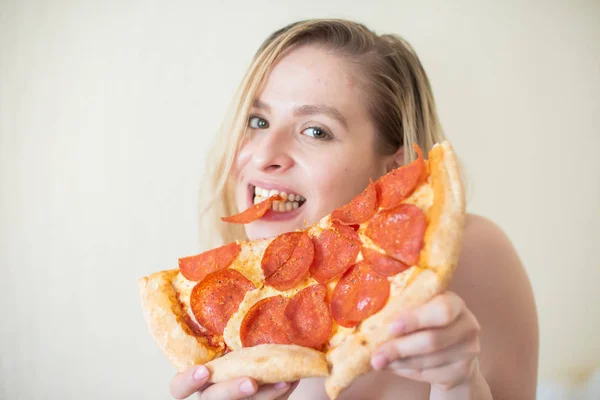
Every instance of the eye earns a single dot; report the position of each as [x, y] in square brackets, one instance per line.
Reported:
[258, 123]
[316, 133]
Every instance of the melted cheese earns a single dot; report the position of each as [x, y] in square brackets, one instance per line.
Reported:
[249, 259]
[422, 197]
[183, 288]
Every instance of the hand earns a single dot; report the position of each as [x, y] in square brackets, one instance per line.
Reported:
[195, 379]
[437, 343]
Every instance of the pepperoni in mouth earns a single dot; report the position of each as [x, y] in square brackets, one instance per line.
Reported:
[291, 201]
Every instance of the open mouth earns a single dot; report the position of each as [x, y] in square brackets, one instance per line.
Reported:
[292, 201]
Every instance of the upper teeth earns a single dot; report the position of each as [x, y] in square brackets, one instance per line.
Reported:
[266, 193]
[290, 201]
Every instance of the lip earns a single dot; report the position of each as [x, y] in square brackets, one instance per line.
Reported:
[271, 215]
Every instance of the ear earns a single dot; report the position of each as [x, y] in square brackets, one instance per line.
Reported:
[395, 160]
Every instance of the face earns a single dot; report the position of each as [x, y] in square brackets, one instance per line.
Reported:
[310, 139]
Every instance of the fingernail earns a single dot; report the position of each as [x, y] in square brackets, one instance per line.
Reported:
[397, 327]
[280, 385]
[378, 361]
[247, 387]
[200, 373]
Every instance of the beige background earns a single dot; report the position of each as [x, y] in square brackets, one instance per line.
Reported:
[105, 112]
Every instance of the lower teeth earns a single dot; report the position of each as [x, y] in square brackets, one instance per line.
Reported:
[279, 206]
[282, 206]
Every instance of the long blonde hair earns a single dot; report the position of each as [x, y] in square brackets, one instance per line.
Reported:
[401, 106]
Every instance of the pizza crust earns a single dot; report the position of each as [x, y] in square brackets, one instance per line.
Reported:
[443, 239]
[269, 363]
[165, 319]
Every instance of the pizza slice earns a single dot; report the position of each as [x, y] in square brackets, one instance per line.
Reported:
[318, 301]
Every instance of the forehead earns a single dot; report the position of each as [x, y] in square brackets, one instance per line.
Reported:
[314, 75]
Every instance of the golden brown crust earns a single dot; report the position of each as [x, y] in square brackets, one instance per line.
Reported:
[440, 254]
[443, 237]
[165, 319]
[269, 363]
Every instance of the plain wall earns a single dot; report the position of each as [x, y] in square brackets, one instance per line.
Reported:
[106, 109]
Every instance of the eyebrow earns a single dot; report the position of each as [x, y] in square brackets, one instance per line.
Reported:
[261, 106]
[310, 110]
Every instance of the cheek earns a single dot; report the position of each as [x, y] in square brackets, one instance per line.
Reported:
[337, 185]
[241, 160]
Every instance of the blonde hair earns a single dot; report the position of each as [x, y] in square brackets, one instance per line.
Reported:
[401, 105]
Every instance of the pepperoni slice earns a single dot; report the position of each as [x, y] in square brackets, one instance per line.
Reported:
[398, 184]
[381, 263]
[360, 293]
[309, 317]
[348, 231]
[265, 323]
[217, 298]
[253, 213]
[399, 232]
[334, 254]
[195, 268]
[287, 260]
[359, 210]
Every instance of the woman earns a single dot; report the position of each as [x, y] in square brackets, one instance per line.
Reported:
[325, 106]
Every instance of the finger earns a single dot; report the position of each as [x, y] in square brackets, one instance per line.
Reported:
[466, 349]
[440, 311]
[293, 386]
[242, 388]
[276, 391]
[446, 376]
[185, 383]
[232, 389]
[425, 341]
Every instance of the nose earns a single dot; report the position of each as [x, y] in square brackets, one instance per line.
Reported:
[272, 153]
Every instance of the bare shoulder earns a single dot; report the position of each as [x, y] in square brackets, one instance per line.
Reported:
[482, 236]
[488, 262]
[493, 282]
